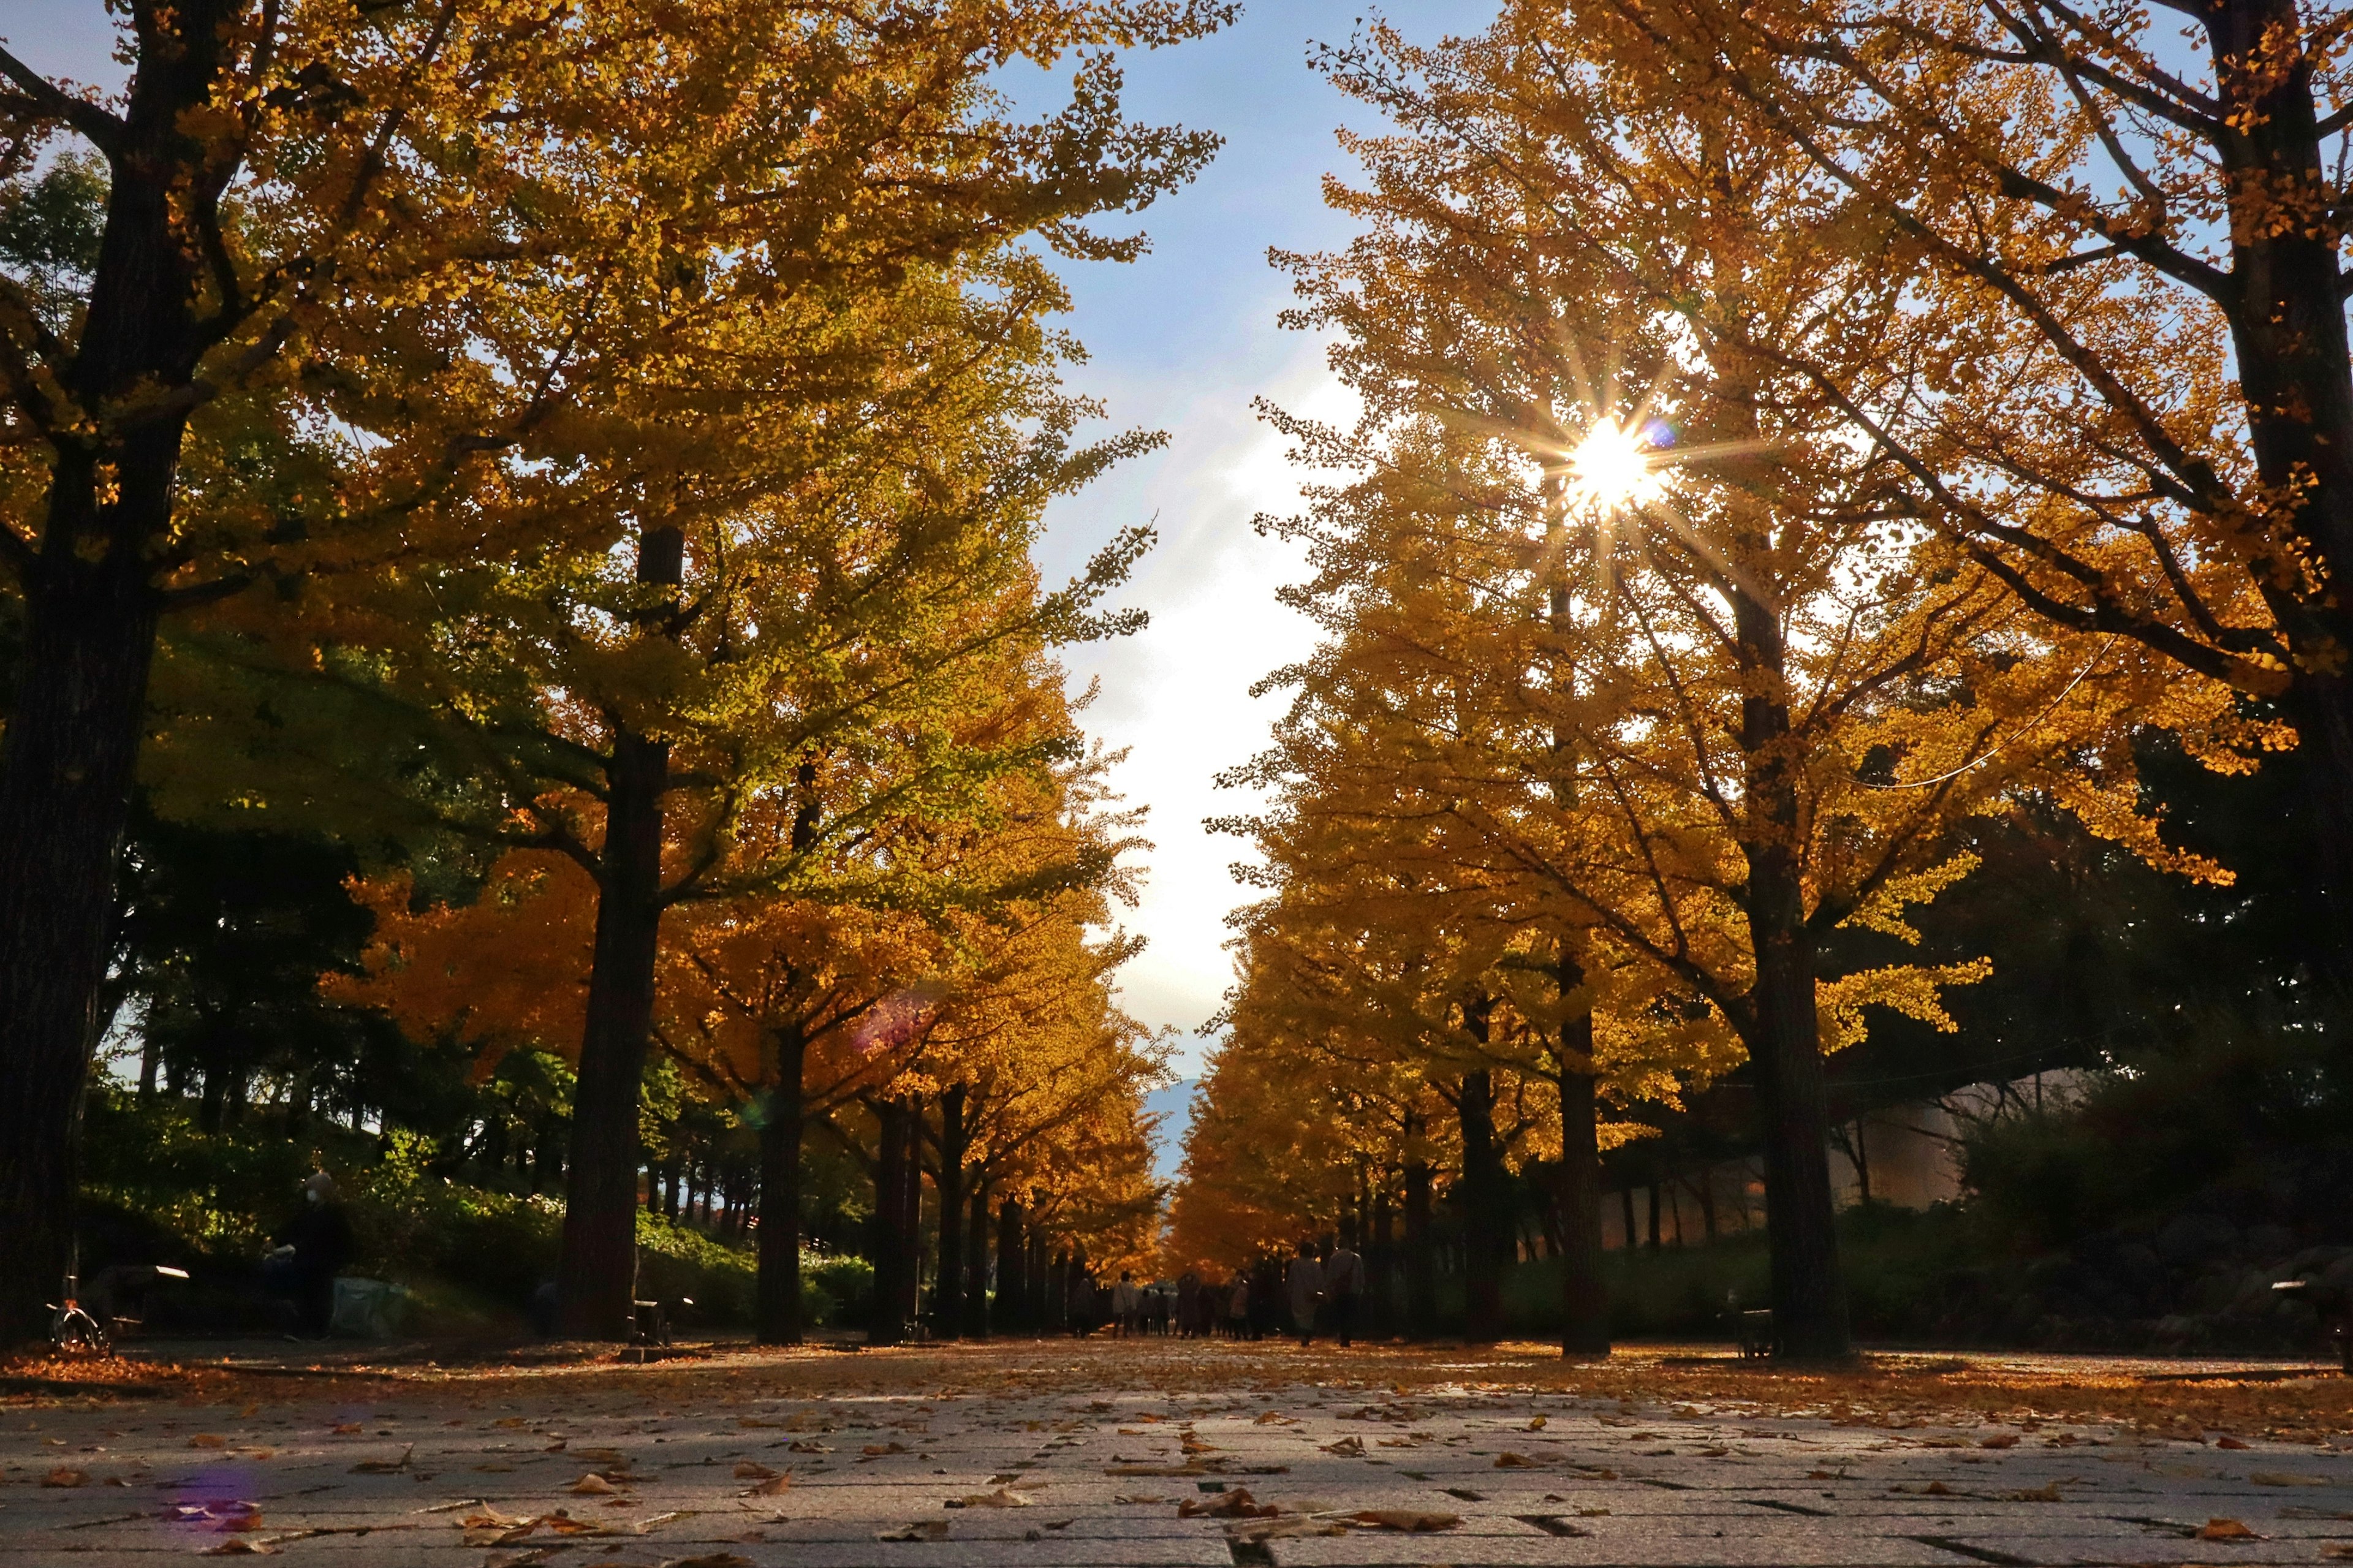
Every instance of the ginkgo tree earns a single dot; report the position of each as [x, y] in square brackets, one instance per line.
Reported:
[440, 236]
[2120, 381]
[1632, 609]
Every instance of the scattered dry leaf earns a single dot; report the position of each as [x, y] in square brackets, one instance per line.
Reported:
[923, 1530]
[1404, 1519]
[2227, 1530]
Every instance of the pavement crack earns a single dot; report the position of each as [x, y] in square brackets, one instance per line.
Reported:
[1551, 1524]
[1962, 1549]
[1787, 1507]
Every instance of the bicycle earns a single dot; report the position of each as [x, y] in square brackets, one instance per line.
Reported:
[71, 1329]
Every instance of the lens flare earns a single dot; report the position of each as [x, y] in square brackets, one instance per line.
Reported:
[1611, 469]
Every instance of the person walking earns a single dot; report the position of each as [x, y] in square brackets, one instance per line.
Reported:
[1126, 1299]
[1238, 1307]
[1305, 1282]
[1344, 1289]
[313, 1247]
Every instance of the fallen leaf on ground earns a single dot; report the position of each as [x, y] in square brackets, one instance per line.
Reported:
[1405, 1518]
[346, 1429]
[1999, 1441]
[2286, 1478]
[1593, 1513]
[385, 1467]
[1273, 1418]
[592, 1485]
[2049, 1492]
[207, 1440]
[1000, 1498]
[876, 1450]
[1507, 1461]
[774, 1486]
[2228, 1442]
[1537, 1423]
[1346, 1447]
[923, 1530]
[1939, 1488]
[1235, 1504]
[240, 1549]
[808, 1445]
[747, 1470]
[1141, 1497]
[2227, 1530]
[63, 1477]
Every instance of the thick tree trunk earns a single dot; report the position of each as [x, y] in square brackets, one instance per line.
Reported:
[1420, 1258]
[911, 1216]
[1584, 1296]
[597, 1277]
[947, 1294]
[777, 1309]
[1380, 1263]
[1012, 1313]
[891, 1165]
[1809, 1314]
[1482, 1302]
[70, 748]
[976, 1264]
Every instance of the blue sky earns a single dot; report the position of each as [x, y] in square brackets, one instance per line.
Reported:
[1181, 341]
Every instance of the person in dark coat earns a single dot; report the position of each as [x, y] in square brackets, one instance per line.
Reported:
[312, 1248]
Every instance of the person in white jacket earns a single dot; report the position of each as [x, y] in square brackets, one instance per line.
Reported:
[1127, 1302]
[1304, 1284]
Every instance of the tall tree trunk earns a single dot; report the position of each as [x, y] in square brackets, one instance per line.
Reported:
[976, 1263]
[777, 1312]
[1420, 1258]
[1584, 1295]
[1653, 1191]
[1781, 1029]
[596, 1275]
[1482, 1206]
[911, 1215]
[948, 1294]
[70, 748]
[1012, 1314]
[1040, 1279]
[890, 1167]
[1380, 1263]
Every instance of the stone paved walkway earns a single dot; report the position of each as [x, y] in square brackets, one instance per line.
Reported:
[1051, 1453]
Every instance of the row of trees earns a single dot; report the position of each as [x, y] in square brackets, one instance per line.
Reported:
[584, 456]
[1779, 455]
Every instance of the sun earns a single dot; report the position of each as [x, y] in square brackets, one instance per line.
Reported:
[1613, 469]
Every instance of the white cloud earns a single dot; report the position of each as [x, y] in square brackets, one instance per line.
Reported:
[1176, 696]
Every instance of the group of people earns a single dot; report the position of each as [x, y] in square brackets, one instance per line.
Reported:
[1318, 1291]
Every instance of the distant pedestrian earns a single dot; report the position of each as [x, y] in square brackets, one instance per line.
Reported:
[313, 1247]
[1344, 1289]
[1126, 1301]
[1304, 1284]
[1238, 1307]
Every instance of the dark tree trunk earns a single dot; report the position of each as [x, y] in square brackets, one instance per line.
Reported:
[1012, 1313]
[890, 1170]
[1781, 1028]
[1380, 1262]
[1420, 1257]
[947, 1294]
[975, 1256]
[911, 1215]
[778, 1307]
[1041, 1280]
[1584, 1296]
[70, 748]
[597, 1278]
[1653, 1191]
[1483, 1211]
